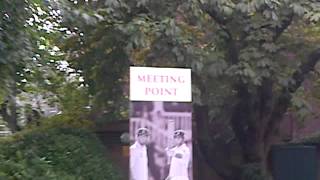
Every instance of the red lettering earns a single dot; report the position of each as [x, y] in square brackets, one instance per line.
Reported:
[142, 78]
[161, 79]
[161, 91]
[173, 79]
[181, 79]
[175, 91]
[147, 91]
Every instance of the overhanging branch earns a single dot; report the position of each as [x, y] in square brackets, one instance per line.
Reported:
[284, 25]
[281, 105]
[303, 71]
[215, 15]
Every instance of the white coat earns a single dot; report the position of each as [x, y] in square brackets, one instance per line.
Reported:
[180, 158]
[138, 162]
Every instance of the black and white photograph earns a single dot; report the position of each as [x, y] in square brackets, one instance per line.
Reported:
[160, 140]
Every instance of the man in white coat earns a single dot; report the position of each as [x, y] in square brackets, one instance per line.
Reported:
[138, 156]
[180, 158]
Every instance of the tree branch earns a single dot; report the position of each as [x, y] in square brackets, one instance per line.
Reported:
[213, 13]
[278, 30]
[305, 68]
[284, 25]
[281, 105]
[232, 44]
[220, 20]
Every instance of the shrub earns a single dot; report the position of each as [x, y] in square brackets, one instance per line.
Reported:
[252, 172]
[55, 154]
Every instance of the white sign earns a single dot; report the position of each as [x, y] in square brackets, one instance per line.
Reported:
[160, 84]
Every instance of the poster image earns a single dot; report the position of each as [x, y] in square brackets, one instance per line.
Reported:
[161, 140]
[160, 124]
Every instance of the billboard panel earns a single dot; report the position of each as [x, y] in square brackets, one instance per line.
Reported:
[160, 131]
[160, 84]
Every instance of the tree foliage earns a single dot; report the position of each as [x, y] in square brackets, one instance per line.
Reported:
[250, 60]
[248, 65]
[33, 73]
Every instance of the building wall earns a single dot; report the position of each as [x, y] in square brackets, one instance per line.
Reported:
[291, 129]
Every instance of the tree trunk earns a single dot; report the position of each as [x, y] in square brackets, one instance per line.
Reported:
[215, 153]
[8, 113]
[9, 109]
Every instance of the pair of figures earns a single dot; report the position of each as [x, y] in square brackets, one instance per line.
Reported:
[179, 156]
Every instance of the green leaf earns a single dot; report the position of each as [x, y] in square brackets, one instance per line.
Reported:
[298, 9]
